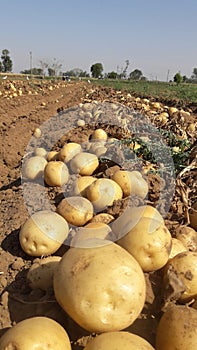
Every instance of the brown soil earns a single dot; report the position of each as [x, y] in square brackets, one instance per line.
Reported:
[19, 116]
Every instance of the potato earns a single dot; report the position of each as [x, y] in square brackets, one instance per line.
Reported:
[52, 155]
[188, 236]
[177, 247]
[35, 333]
[56, 173]
[101, 288]
[118, 340]
[81, 184]
[131, 182]
[84, 163]
[193, 216]
[177, 329]
[37, 133]
[76, 210]
[149, 241]
[34, 167]
[91, 230]
[40, 151]
[68, 151]
[103, 193]
[131, 217]
[99, 134]
[103, 217]
[98, 148]
[43, 233]
[184, 266]
[40, 274]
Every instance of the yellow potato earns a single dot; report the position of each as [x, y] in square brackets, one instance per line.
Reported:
[52, 155]
[84, 163]
[76, 210]
[177, 247]
[89, 231]
[149, 241]
[103, 217]
[99, 134]
[36, 333]
[101, 287]
[103, 193]
[56, 173]
[40, 274]
[68, 151]
[177, 329]
[184, 266]
[131, 217]
[118, 340]
[34, 167]
[131, 182]
[81, 184]
[39, 151]
[43, 233]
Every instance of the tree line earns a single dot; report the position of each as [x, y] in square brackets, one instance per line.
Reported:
[54, 68]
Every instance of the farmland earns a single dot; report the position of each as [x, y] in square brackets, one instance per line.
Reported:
[24, 106]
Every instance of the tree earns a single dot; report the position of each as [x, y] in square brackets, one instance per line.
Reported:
[51, 72]
[96, 70]
[1, 67]
[194, 74]
[6, 63]
[44, 65]
[136, 74]
[55, 66]
[178, 78]
[112, 75]
[34, 71]
[123, 74]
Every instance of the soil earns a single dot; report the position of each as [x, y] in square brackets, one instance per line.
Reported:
[19, 116]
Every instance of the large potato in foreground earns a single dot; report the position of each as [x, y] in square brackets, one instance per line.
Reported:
[177, 329]
[36, 333]
[43, 233]
[101, 288]
[118, 340]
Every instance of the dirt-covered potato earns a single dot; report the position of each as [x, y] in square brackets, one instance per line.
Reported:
[177, 329]
[56, 173]
[91, 231]
[40, 274]
[40, 151]
[101, 287]
[103, 193]
[188, 236]
[81, 184]
[36, 333]
[68, 151]
[177, 247]
[84, 163]
[76, 210]
[149, 241]
[34, 167]
[99, 134]
[193, 216]
[103, 217]
[43, 233]
[118, 340]
[131, 182]
[184, 267]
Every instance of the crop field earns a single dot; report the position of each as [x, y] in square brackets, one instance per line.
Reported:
[98, 219]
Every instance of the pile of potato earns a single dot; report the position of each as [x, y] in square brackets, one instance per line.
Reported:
[99, 282]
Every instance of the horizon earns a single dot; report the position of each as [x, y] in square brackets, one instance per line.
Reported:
[156, 37]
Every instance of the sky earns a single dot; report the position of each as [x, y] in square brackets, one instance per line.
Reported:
[156, 36]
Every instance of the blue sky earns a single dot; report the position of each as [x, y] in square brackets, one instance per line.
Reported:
[153, 35]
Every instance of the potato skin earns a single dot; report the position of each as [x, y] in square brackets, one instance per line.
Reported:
[101, 288]
[34, 167]
[43, 233]
[177, 329]
[36, 333]
[56, 173]
[76, 210]
[68, 151]
[131, 182]
[118, 340]
[84, 163]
